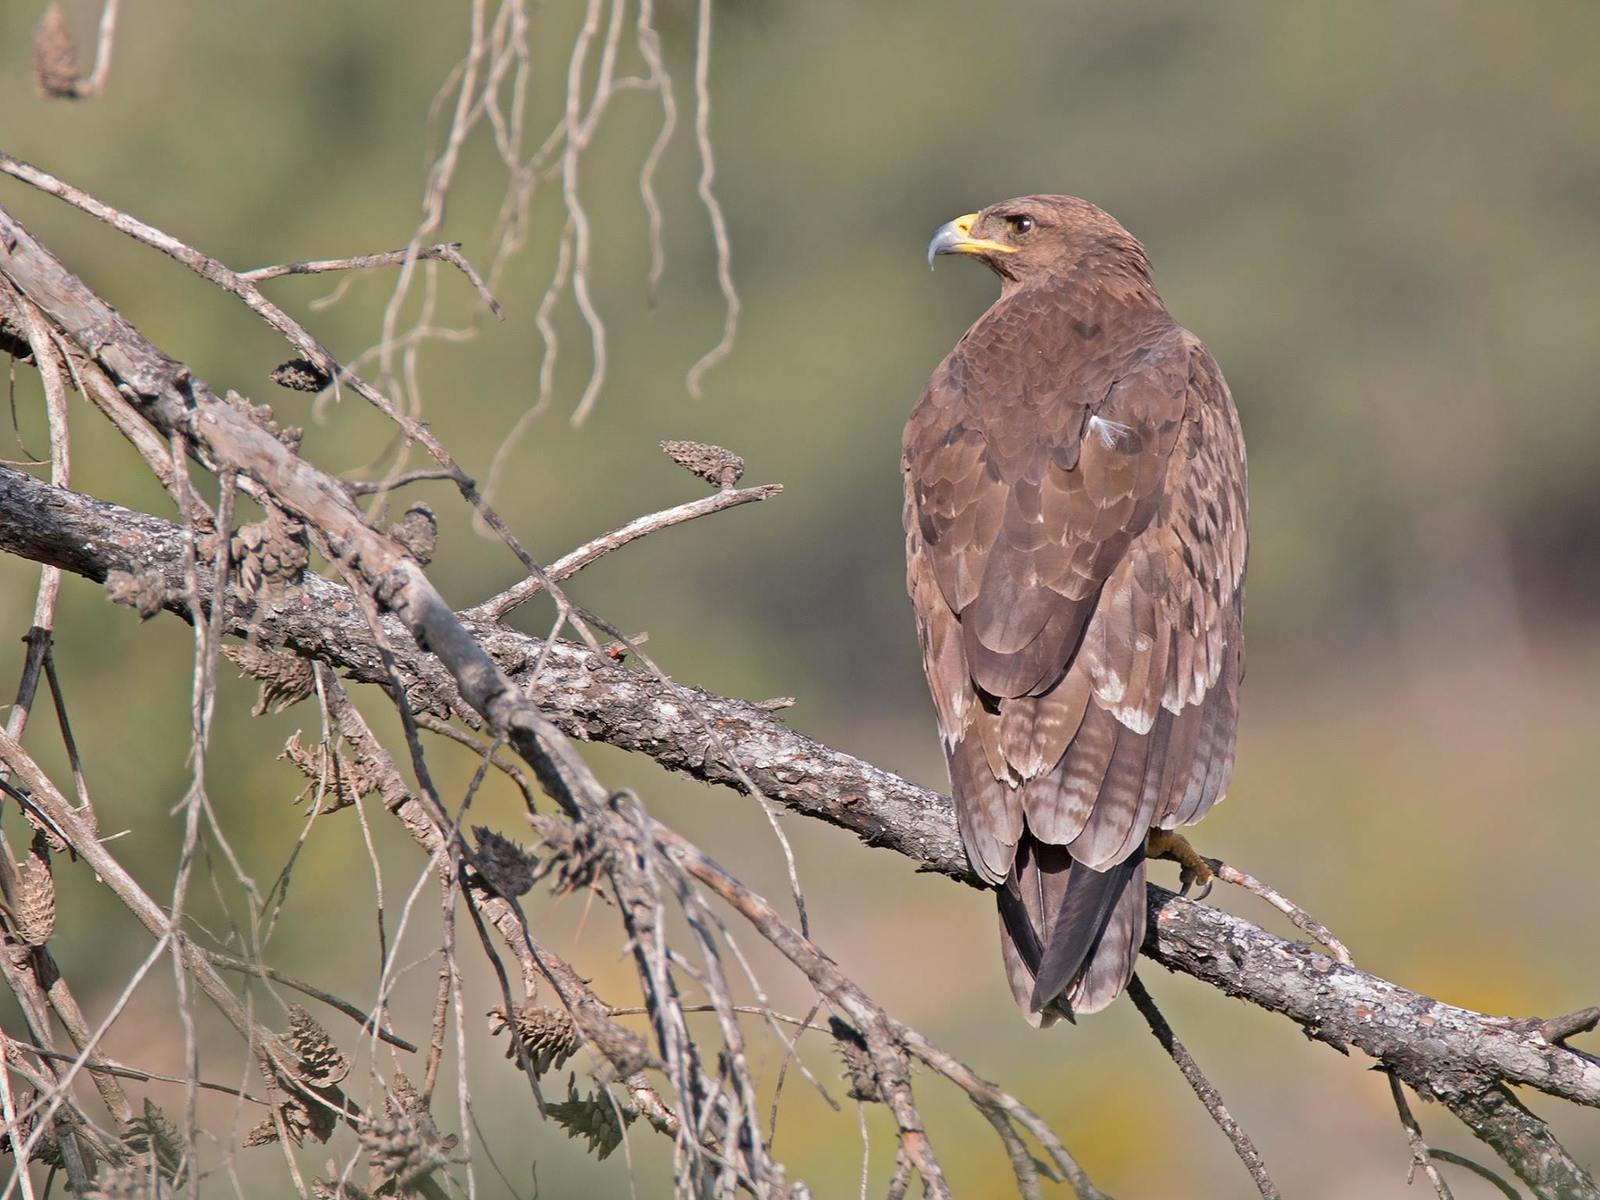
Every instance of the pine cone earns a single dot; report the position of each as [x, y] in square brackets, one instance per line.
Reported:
[418, 532]
[34, 916]
[546, 1037]
[321, 1063]
[55, 58]
[286, 679]
[506, 865]
[719, 467]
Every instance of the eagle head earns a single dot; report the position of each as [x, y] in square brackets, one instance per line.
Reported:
[1033, 238]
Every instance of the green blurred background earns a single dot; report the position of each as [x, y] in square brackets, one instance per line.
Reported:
[1383, 219]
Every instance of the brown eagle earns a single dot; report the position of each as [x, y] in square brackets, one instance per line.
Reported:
[1075, 551]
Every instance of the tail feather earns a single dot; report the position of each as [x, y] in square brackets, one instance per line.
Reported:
[1115, 955]
[1085, 909]
[1070, 935]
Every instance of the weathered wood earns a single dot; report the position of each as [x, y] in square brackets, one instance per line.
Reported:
[1439, 1049]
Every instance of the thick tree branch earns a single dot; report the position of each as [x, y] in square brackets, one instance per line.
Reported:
[1439, 1049]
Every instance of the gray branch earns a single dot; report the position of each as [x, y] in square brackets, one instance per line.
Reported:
[1442, 1051]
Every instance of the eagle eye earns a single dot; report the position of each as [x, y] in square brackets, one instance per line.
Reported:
[1020, 224]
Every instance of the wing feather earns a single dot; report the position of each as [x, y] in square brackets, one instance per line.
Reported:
[1076, 556]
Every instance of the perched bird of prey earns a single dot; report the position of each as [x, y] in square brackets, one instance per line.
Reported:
[1075, 546]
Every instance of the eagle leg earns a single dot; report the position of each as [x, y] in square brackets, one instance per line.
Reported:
[1164, 843]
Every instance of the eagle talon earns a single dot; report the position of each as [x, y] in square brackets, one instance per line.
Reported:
[1195, 869]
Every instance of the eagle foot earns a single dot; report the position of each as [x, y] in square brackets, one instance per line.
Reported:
[1164, 843]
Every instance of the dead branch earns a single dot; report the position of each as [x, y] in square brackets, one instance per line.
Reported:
[1421, 1156]
[593, 697]
[1442, 1051]
[447, 252]
[1209, 1096]
[496, 607]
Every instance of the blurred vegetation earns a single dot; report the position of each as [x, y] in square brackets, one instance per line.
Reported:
[1381, 218]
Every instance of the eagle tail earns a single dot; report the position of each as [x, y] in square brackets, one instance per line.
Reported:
[1069, 935]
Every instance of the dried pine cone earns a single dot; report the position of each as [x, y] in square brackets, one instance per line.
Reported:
[506, 865]
[859, 1068]
[146, 591]
[418, 532]
[719, 467]
[34, 915]
[321, 1063]
[301, 375]
[547, 1037]
[286, 679]
[345, 782]
[270, 554]
[55, 58]
[155, 1141]
[333, 1189]
[261, 415]
[576, 856]
[593, 1118]
[405, 1146]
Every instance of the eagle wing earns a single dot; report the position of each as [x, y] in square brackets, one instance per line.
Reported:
[1076, 561]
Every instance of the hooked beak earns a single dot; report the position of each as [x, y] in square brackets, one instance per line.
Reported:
[955, 237]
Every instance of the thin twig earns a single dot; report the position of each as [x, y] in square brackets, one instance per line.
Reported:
[568, 565]
[649, 42]
[229, 963]
[1242, 1145]
[508, 768]
[1481, 1171]
[296, 335]
[449, 252]
[106, 1066]
[369, 487]
[1420, 1156]
[1301, 919]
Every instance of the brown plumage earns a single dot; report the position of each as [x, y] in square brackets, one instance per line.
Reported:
[1075, 545]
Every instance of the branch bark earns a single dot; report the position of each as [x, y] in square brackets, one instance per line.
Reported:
[1439, 1049]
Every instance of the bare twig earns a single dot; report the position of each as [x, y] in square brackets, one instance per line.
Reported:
[502, 764]
[496, 607]
[1209, 1096]
[364, 487]
[229, 963]
[1297, 915]
[102, 54]
[106, 1066]
[218, 273]
[1478, 1169]
[1556, 1030]
[1526, 1144]
[650, 50]
[1420, 1155]
[447, 252]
